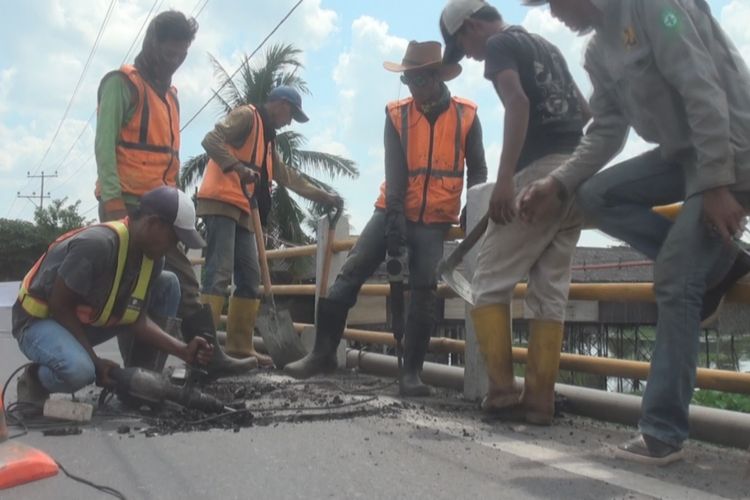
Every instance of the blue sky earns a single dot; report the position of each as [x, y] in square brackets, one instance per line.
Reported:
[45, 45]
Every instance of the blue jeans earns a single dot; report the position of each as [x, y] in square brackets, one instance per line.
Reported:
[65, 366]
[230, 248]
[688, 257]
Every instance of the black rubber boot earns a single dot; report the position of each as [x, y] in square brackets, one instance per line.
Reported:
[201, 324]
[419, 327]
[328, 333]
[141, 355]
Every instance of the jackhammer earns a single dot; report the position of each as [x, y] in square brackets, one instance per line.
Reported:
[152, 388]
[395, 265]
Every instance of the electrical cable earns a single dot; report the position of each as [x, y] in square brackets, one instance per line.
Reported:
[104, 489]
[9, 412]
[93, 113]
[327, 408]
[283, 20]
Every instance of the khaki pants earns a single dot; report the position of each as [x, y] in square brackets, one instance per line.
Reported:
[541, 252]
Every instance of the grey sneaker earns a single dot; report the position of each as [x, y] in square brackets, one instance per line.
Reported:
[649, 451]
[30, 392]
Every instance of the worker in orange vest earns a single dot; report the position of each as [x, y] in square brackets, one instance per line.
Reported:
[432, 140]
[100, 281]
[241, 149]
[137, 149]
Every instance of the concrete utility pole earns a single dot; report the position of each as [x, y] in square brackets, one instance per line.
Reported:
[41, 194]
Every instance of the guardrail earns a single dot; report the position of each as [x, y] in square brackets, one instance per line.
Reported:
[722, 380]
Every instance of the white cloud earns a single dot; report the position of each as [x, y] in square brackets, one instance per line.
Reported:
[46, 44]
[735, 19]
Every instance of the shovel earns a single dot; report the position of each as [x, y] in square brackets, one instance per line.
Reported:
[275, 327]
[447, 268]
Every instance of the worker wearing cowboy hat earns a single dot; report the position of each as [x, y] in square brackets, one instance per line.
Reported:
[544, 118]
[432, 140]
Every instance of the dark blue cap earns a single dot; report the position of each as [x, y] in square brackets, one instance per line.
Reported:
[288, 94]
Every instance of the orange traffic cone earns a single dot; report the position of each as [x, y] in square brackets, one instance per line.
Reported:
[19, 463]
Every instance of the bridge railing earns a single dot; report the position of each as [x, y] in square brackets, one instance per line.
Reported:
[721, 380]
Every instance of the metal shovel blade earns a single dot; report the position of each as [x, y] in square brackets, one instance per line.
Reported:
[456, 281]
[279, 337]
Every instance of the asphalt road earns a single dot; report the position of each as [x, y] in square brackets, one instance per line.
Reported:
[440, 448]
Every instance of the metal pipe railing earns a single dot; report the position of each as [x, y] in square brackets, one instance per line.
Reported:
[719, 380]
[728, 428]
[608, 292]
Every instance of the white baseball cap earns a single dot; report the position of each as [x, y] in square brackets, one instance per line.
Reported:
[176, 208]
[452, 18]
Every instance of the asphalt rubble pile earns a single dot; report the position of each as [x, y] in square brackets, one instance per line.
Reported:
[268, 399]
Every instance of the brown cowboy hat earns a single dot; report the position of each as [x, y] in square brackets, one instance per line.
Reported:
[425, 55]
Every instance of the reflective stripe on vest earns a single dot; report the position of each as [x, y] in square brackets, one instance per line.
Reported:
[225, 186]
[39, 308]
[149, 143]
[435, 157]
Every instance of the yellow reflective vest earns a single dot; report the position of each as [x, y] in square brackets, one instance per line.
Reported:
[39, 308]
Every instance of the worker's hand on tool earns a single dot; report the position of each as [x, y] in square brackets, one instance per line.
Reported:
[723, 214]
[102, 367]
[462, 219]
[503, 202]
[334, 200]
[198, 350]
[248, 175]
[540, 199]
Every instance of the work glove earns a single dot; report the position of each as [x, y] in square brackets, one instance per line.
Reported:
[462, 219]
[249, 174]
[333, 200]
[395, 234]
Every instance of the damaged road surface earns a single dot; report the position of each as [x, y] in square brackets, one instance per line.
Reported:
[350, 436]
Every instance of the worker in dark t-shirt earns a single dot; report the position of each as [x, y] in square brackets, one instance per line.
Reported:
[544, 119]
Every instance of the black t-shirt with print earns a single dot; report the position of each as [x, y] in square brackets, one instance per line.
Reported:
[555, 117]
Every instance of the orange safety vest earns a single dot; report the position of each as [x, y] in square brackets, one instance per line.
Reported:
[38, 307]
[435, 156]
[148, 149]
[225, 186]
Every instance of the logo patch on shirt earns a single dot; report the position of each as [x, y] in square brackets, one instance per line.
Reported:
[629, 37]
[670, 20]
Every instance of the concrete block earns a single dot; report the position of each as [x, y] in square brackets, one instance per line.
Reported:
[64, 409]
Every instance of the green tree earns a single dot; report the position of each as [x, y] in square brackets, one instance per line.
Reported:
[252, 86]
[58, 219]
[21, 244]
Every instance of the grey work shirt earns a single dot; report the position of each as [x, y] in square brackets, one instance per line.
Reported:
[86, 263]
[666, 68]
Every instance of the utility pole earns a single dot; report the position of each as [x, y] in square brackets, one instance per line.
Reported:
[41, 194]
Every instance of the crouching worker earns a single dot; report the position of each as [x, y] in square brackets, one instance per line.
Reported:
[97, 282]
[428, 138]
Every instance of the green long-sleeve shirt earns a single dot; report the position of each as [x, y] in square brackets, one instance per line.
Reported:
[117, 103]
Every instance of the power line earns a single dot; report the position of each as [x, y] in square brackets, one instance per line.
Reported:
[93, 113]
[94, 47]
[193, 12]
[241, 65]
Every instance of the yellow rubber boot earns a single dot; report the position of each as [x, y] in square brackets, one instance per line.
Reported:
[542, 366]
[217, 306]
[240, 325]
[492, 324]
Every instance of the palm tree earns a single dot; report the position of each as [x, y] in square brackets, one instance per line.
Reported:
[285, 222]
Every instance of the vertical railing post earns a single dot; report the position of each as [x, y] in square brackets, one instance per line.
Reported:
[337, 262]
